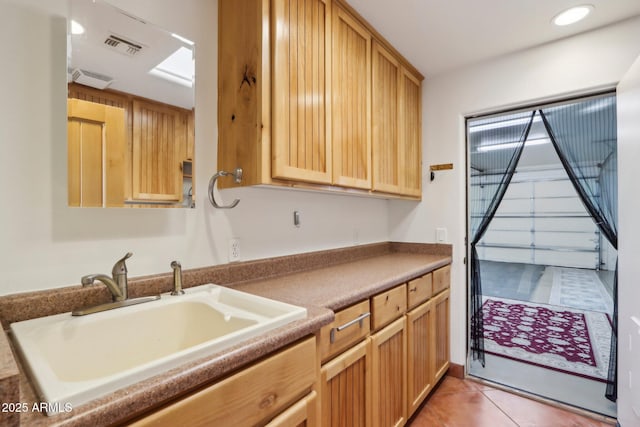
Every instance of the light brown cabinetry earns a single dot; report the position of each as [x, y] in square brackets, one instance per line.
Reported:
[427, 337]
[385, 90]
[419, 290]
[402, 359]
[301, 38]
[396, 124]
[253, 396]
[388, 306]
[409, 133]
[159, 147]
[441, 279]
[389, 372]
[346, 388]
[420, 355]
[157, 139]
[351, 101]
[300, 414]
[96, 145]
[441, 334]
[295, 99]
[350, 326]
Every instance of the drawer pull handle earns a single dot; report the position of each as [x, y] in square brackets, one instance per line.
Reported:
[358, 320]
[413, 289]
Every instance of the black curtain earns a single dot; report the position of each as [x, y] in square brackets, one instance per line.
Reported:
[495, 149]
[584, 135]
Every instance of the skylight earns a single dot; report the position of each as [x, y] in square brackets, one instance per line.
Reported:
[177, 67]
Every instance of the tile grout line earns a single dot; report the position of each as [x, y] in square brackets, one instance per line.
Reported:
[499, 408]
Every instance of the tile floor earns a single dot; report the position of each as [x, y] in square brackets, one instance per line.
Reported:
[466, 403]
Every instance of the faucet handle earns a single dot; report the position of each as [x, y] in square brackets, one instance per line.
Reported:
[120, 267]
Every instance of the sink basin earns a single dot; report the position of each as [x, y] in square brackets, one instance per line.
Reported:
[73, 360]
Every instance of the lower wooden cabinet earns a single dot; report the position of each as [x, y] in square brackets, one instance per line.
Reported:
[389, 370]
[345, 384]
[420, 355]
[253, 396]
[301, 414]
[441, 334]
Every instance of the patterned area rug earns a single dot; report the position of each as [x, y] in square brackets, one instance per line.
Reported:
[579, 288]
[564, 339]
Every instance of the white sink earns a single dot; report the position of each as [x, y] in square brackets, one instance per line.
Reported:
[77, 359]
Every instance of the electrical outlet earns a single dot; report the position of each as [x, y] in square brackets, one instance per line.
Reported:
[234, 250]
[441, 235]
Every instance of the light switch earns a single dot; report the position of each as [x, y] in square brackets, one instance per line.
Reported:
[441, 235]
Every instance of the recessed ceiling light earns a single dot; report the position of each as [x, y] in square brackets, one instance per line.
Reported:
[573, 15]
[76, 28]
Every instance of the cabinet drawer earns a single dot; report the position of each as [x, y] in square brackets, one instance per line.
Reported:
[419, 290]
[249, 397]
[388, 306]
[302, 413]
[351, 325]
[441, 279]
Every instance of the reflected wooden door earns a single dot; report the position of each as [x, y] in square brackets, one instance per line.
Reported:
[96, 145]
[159, 146]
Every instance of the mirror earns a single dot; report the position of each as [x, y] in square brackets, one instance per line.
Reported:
[130, 111]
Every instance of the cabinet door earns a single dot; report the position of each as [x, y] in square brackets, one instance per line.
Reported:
[96, 145]
[159, 144]
[301, 143]
[441, 334]
[351, 113]
[389, 370]
[420, 346]
[410, 134]
[300, 414]
[346, 390]
[384, 119]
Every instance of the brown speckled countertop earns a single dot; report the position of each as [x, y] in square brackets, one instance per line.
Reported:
[339, 286]
[320, 281]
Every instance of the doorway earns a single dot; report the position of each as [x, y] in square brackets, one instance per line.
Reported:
[545, 269]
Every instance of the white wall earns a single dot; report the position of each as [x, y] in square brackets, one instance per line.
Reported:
[45, 244]
[574, 65]
[629, 233]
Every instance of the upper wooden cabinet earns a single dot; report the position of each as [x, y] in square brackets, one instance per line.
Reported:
[301, 143]
[396, 123]
[409, 133]
[385, 88]
[351, 106]
[296, 88]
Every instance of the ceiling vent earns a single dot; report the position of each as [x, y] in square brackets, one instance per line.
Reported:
[89, 78]
[122, 45]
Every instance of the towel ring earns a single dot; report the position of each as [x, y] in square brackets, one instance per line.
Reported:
[237, 177]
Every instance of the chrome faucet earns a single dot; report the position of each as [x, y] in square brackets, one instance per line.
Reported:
[118, 284]
[177, 278]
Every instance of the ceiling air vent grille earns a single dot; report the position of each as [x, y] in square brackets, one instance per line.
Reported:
[122, 45]
[89, 78]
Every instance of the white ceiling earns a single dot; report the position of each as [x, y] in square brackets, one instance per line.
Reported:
[130, 74]
[440, 35]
